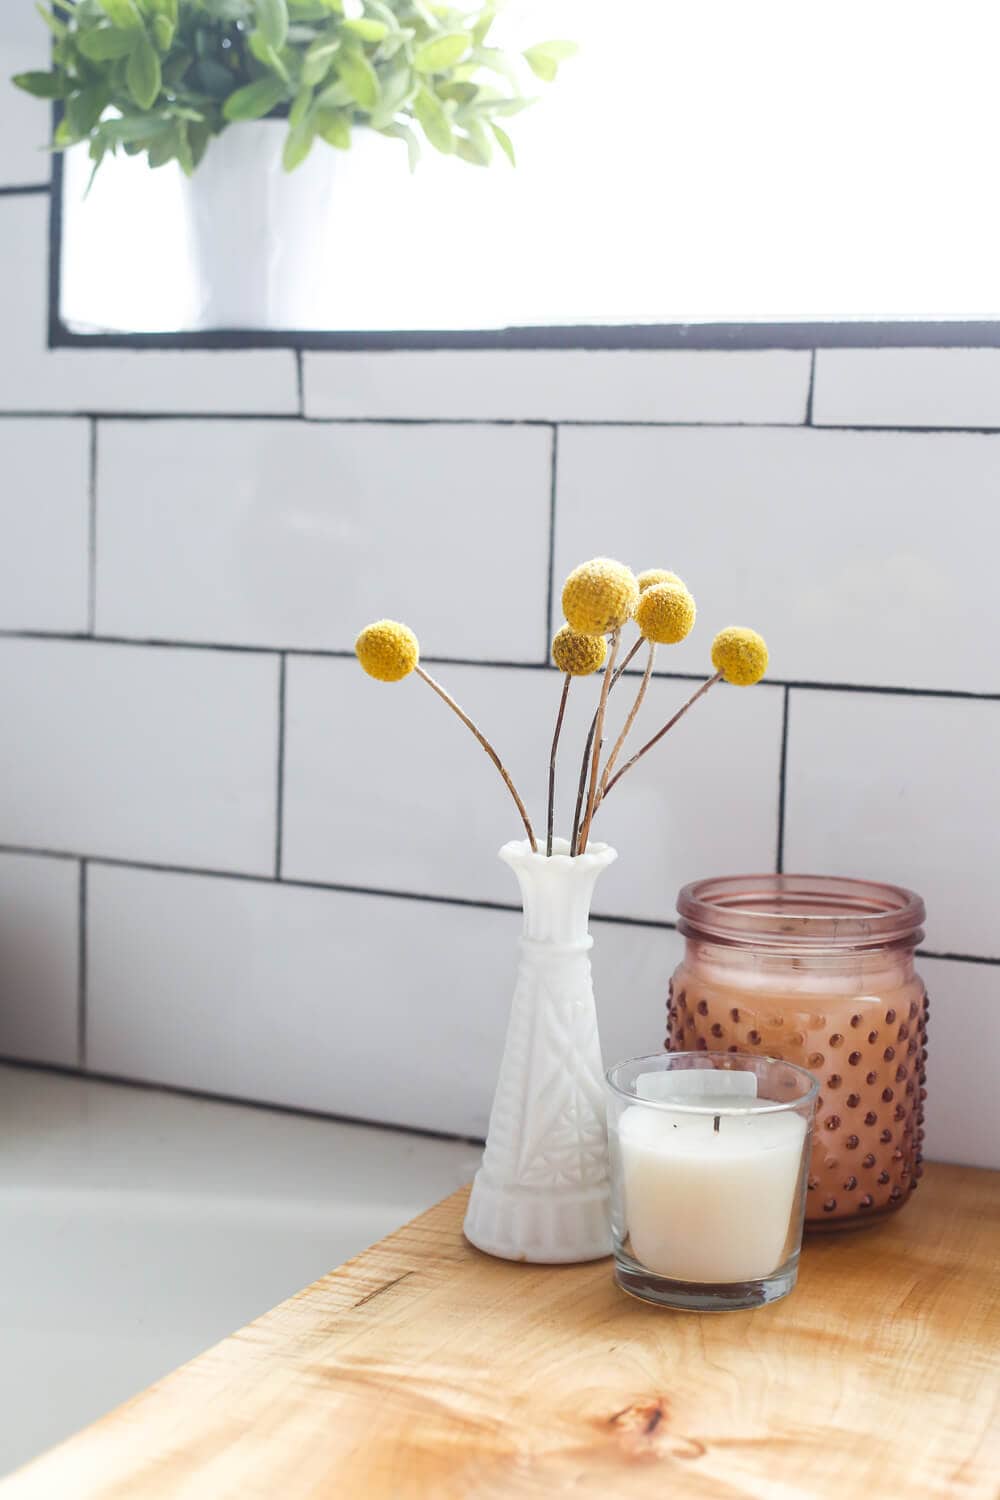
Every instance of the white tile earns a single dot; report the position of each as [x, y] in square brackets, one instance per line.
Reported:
[39, 947]
[139, 753]
[34, 378]
[907, 387]
[963, 1044]
[25, 123]
[901, 789]
[296, 534]
[832, 544]
[385, 788]
[44, 517]
[628, 385]
[632, 968]
[367, 1006]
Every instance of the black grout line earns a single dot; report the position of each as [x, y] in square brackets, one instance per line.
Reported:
[155, 868]
[812, 387]
[346, 653]
[34, 189]
[120, 1080]
[149, 867]
[300, 386]
[550, 591]
[92, 530]
[280, 794]
[957, 958]
[779, 861]
[52, 414]
[81, 1012]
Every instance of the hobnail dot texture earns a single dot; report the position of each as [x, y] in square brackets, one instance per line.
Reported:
[867, 1152]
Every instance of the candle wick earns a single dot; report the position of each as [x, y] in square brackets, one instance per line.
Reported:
[715, 1127]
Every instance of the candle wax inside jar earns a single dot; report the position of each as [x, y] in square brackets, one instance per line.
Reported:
[709, 1204]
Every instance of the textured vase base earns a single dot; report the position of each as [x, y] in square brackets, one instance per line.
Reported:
[549, 1228]
[689, 1296]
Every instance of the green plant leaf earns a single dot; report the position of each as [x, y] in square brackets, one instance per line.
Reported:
[121, 13]
[442, 52]
[198, 139]
[469, 151]
[504, 141]
[318, 58]
[143, 74]
[335, 96]
[300, 107]
[83, 110]
[265, 53]
[298, 144]
[163, 32]
[433, 120]
[105, 43]
[164, 150]
[335, 128]
[184, 155]
[404, 133]
[398, 87]
[58, 28]
[254, 100]
[43, 85]
[272, 22]
[357, 74]
[367, 29]
[544, 59]
[132, 128]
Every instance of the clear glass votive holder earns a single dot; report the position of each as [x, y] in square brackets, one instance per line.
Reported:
[709, 1159]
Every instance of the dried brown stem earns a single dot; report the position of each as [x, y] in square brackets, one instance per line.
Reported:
[494, 757]
[585, 763]
[602, 709]
[660, 733]
[552, 764]
[609, 764]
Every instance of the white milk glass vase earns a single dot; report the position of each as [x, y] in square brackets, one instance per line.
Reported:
[542, 1193]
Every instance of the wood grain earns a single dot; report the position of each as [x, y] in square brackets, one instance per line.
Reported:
[424, 1369]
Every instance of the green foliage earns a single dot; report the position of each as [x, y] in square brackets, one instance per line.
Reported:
[162, 77]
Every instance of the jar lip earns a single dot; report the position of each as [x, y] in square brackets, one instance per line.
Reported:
[796, 912]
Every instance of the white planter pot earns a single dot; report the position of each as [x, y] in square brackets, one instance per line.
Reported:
[261, 238]
[542, 1192]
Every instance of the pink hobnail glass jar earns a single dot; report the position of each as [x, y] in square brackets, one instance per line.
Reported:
[818, 971]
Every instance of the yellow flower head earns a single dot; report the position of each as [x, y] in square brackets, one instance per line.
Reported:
[740, 655]
[387, 650]
[665, 613]
[658, 575]
[578, 654]
[600, 596]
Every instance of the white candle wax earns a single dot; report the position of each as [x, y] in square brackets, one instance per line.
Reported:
[706, 1204]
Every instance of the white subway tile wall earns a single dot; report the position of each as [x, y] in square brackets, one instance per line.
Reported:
[40, 905]
[292, 533]
[864, 557]
[45, 524]
[909, 789]
[437, 819]
[280, 876]
[562, 385]
[139, 753]
[907, 388]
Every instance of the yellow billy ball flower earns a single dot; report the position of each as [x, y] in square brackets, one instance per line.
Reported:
[578, 654]
[599, 596]
[658, 575]
[665, 613]
[387, 650]
[740, 655]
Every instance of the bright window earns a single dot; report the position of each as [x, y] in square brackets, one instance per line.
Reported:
[701, 161]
